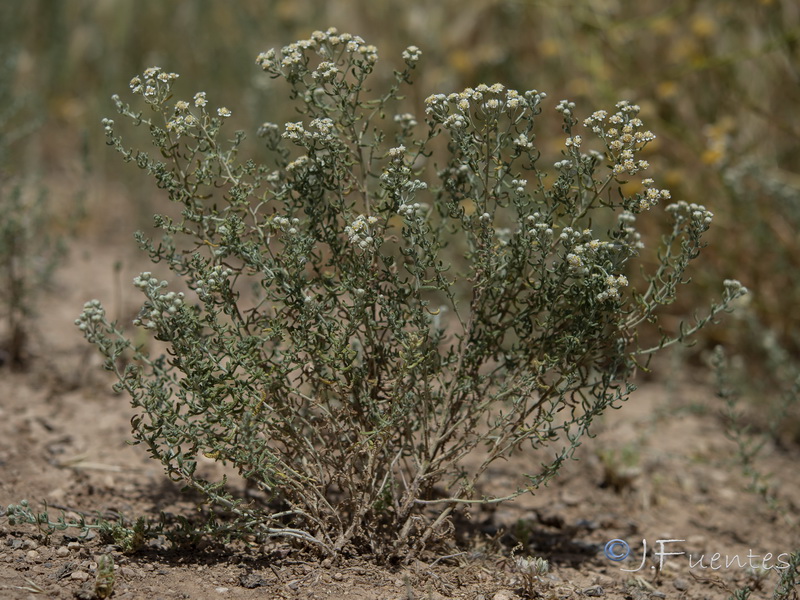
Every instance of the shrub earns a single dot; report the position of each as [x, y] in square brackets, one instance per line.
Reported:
[364, 323]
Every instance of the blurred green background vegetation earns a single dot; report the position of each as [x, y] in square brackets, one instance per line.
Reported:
[718, 82]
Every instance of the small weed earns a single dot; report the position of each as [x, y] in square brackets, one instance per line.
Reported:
[620, 467]
[104, 581]
[532, 571]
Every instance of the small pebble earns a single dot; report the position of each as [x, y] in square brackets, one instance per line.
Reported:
[570, 499]
[338, 576]
[29, 545]
[79, 575]
[503, 595]
[74, 546]
[32, 555]
[222, 590]
[128, 573]
[62, 551]
[680, 584]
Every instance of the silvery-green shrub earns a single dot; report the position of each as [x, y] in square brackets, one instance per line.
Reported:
[365, 323]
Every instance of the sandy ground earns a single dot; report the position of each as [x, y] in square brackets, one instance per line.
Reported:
[661, 468]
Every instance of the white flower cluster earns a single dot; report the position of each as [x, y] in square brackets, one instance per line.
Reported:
[623, 135]
[325, 128]
[626, 163]
[91, 317]
[215, 282]
[326, 44]
[182, 119]
[521, 142]
[295, 132]
[326, 72]
[266, 60]
[651, 195]
[583, 256]
[540, 231]
[148, 282]
[412, 55]
[396, 179]
[321, 131]
[612, 287]
[455, 110]
[565, 164]
[569, 236]
[568, 165]
[734, 288]
[565, 107]
[93, 312]
[285, 224]
[437, 107]
[169, 303]
[698, 216]
[154, 84]
[359, 231]
[298, 163]
[409, 211]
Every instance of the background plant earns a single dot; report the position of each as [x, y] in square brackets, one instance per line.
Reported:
[28, 251]
[319, 340]
[750, 443]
